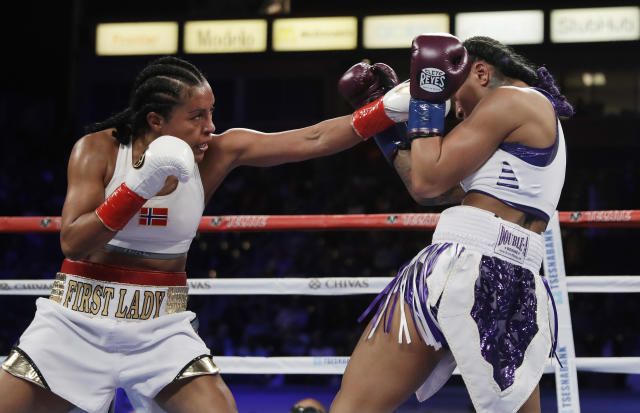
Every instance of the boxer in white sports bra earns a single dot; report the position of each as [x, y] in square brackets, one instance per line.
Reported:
[473, 299]
[137, 185]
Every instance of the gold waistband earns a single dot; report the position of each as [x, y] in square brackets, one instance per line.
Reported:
[130, 301]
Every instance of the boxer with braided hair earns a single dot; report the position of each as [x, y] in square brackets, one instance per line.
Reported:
[473, 299]
[137, 187]
[512, 65]
[156, 89]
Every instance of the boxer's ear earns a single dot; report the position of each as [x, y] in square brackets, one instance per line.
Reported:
[482, 71]
[155, 121]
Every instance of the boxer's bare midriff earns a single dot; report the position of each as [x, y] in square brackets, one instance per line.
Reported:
[103, 256]
[505, 212]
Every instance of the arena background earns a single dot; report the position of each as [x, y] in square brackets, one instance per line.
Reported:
[54, 84]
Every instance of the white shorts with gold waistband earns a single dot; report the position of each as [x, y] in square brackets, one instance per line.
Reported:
[476, 290]
[93, 336]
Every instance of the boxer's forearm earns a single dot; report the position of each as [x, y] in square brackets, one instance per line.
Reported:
[402, 164]
[83, 236]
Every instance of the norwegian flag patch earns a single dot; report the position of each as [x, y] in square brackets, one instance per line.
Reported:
[155, 217]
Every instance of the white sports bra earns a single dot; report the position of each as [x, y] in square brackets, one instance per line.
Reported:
[165, 225]
[525, 178]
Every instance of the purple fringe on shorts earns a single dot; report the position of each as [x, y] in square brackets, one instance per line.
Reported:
[505, 311]
[504, 308]
[415, 272]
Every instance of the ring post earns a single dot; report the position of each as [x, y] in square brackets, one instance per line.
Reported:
[566, 376]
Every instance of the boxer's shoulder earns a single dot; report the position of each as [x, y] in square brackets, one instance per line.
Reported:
[95, 150]
[508, 99]
[101, 142]
[525, 96]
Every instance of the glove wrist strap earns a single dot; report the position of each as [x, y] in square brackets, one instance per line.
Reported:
[371, 119]
[389, 141]
[426, 119]
[118, 209]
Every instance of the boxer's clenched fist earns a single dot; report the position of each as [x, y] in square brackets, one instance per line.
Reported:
[165, 156]
[363, 83]
[439, 66]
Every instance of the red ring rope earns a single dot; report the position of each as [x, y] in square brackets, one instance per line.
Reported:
[252, 223]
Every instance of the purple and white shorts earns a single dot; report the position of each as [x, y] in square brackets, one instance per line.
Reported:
[476, 291]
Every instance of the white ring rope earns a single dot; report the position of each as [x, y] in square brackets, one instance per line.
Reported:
[325, 285]
[336, 365]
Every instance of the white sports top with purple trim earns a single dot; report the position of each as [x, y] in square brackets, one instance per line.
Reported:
[525, 178]
[165, 225]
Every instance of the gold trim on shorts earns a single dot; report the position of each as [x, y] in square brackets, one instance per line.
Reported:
[58, 288]
[177, 299]
[201, 366]
[20, 365]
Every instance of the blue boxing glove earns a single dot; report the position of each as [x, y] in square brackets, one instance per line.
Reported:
[391, 140]
[439, 66]
[364, 83]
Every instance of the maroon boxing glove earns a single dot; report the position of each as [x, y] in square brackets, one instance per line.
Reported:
[439, 66]
[363, 83]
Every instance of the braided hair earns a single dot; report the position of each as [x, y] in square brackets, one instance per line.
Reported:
[513, 65]
[157, 89]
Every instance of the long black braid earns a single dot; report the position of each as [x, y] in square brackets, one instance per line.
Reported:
[157, 89]
[513, 65]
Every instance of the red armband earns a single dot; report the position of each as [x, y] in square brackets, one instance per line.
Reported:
[119, 208]
[371, 119]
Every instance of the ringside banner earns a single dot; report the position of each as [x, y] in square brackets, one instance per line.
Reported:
[119, 39]
[225, 36]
